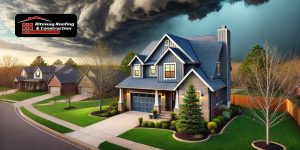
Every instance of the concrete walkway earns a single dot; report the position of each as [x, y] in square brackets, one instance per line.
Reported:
[109, 129]
[8, 92]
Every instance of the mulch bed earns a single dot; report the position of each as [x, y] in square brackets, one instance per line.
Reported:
[68, 108]
[98, 114]
[271, 146]
[191, 137]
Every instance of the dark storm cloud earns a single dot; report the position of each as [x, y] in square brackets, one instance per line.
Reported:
[16, 46]
[119, 23]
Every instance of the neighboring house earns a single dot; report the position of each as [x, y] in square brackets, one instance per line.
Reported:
[162, 72]
[36, 78]
[64, 83]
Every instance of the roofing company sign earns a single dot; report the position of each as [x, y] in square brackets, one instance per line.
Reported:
[45, 25]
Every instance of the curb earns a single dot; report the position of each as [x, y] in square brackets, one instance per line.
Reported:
[54, 133]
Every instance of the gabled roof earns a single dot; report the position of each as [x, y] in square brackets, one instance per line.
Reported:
[29, 69]
[138, 57]
[213, 85]
[64, 78]
[182, 44]
[175, 52]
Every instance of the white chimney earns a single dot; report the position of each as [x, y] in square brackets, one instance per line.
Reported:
[224, 36]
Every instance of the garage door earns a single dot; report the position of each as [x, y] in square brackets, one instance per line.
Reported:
[55, 90]
[86, 91]
[142, 102]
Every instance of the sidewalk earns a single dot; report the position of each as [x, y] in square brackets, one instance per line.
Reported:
[8, 92]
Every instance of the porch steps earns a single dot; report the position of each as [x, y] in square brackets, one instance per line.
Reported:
[164, 115]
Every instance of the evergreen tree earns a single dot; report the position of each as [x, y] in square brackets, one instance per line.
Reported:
[190, 119]
[123, 67]
[57, 62]
[71, 62]
[39, 61]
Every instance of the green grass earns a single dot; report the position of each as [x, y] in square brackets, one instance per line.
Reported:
[19, 96]
[110, 146]
[45, 122]
[238, 135]
[51, 99]
[79, 115]
[3, 88]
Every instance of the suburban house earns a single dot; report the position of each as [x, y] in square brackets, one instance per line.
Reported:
[36, 78]
[162, 72]
[64, 83]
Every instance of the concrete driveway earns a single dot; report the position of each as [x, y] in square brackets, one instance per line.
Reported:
[108, 128]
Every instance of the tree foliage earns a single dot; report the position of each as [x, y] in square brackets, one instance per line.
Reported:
[190, 119]
[57, 62]
[71, 62]
[39, 61]
[123, 67]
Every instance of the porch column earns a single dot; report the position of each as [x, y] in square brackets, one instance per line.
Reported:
[156, 103]
[121, 105]
[176, 108]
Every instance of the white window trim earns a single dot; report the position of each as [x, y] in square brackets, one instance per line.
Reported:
[218, 71]
[23, 73]
[150, 71]
[173, 63]
[134, 71]
[41, 74]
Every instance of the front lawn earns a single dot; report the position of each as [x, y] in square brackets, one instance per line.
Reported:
[19, 96]
[238, 135]
[79, 115]
[51, 99]
[109, 146]
[45, 122]
[3, 88]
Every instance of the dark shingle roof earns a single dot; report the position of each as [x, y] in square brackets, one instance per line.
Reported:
[146, 83]
[71, 77]
[29, 69]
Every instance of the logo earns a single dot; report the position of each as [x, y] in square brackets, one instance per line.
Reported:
[45, 25]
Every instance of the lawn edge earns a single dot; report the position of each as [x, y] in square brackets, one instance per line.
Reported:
[53, 133]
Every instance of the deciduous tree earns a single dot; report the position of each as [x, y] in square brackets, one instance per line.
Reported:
[39, 61]
[123, 67]
[57, 62]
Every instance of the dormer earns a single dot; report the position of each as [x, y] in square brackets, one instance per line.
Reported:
[38, 74]
[136, 66]
[23, 73]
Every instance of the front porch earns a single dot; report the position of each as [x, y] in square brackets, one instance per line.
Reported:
[146, 100]
[30, 86]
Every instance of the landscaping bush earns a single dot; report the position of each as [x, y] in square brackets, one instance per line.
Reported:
[237, 110]
[140, 121]
[217, 121]
[173, 115]
[113, 106]
[226, 115]
[151, 124]
[221, 118]
[114, 112]
[173, 123]
[212, 126]
[165, 126]
[105, 108]
[158, 124]
[145, 124]
[154, 113]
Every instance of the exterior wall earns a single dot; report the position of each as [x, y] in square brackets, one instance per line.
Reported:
[170, 58]
[68, 89]
[54, 82]
[85, 82]
[159, 51]
[199, 86]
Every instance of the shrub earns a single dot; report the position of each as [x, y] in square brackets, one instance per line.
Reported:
[165, 126]
[158, 124]
[105, 108]
[113, 106]
[140, 121]
[151, 124]
[172, 127]
[226, 115]
[145, 124]
[173, 123]
[221, 118]
[217, 121]
[173, 115]
[154, 111]
[212, 126]
[114, 112]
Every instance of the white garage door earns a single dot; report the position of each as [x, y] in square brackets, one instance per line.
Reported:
[55, 90]
[86, 91]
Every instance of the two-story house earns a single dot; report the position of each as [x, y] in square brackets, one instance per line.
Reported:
[162, 72]
[36, 78]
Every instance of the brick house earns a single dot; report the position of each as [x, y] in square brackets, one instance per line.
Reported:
[163, 70]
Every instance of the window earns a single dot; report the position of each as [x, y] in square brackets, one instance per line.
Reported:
[152, 70]
[170, 70]
[38, 73]
[23, 74]
[218, 68]
[136, 71]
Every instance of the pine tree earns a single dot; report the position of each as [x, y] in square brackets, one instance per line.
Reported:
[39, 61]
[57, 62]
[71, 62]
[190, 119]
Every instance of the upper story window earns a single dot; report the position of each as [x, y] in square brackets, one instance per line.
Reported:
[218, 68]
[38, 74]
[136, 70]
[170, 70]
[23, 73]
[152, 70]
